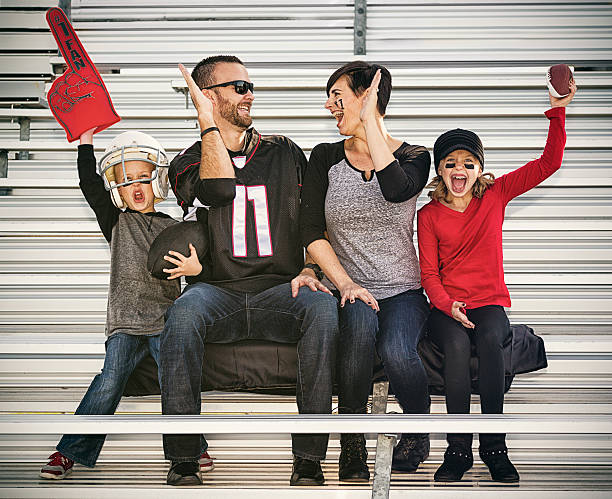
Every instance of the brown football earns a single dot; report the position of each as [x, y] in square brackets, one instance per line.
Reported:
[558, 79]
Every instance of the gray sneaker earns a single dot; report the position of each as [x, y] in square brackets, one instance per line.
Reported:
[184, 473]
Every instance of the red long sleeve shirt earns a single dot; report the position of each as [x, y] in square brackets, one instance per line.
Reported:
[460, 253]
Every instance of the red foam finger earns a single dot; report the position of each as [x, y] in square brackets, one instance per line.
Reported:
[78, 99]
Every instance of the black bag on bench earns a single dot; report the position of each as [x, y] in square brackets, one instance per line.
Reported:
[267, 367]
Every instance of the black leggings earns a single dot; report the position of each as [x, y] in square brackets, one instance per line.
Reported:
[454, 340]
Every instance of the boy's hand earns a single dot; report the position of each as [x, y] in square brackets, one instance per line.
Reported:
[185, 266]
[87, 137]
[563, 101]
[201, 102]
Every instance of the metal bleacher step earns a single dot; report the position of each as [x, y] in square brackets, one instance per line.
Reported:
[269, 480]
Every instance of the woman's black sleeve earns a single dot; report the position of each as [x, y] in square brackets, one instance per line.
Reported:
[314, 190]
[92, 187]
[405, 177]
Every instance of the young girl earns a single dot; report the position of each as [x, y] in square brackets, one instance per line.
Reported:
[460, 249]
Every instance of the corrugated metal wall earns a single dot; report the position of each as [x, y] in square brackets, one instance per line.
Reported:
[479, 66]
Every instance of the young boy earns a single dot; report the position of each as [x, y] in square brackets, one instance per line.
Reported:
[134, 171]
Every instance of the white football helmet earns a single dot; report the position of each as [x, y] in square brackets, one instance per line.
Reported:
[131, 146]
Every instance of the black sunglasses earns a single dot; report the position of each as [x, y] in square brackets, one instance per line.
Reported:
[240, 86]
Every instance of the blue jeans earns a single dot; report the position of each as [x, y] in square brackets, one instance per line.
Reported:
[394, 332]
[123, 353]
[209, 314]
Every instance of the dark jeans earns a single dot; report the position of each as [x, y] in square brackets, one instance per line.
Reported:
[209, 314]
[123, 353]
[394, 332]
[454, 340]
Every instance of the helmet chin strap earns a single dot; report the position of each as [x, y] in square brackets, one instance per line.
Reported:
[116, 197]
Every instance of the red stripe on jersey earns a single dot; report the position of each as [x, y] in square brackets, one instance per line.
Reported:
[256, 146]
[180, 173]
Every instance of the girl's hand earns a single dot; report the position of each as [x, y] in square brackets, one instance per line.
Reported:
[352, 291]
[458, 311]
[368, 106]
[563, 101]
[184, 265]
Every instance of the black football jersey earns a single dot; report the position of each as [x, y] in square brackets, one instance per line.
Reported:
[254, 241]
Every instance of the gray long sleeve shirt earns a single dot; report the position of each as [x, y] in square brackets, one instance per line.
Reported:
[137, 301]
[369, 222]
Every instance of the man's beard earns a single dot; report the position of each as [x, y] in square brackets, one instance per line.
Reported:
[230, 113]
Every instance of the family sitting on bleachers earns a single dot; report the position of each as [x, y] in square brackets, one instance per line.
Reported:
[360, 290]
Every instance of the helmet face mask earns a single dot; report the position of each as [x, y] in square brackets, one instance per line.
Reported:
[134, 146]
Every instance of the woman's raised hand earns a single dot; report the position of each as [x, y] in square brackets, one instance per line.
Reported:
[368, 106]
[563, 101]
[351, 292]
[459, 315]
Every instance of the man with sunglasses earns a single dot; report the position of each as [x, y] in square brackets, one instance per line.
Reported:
[245, 188]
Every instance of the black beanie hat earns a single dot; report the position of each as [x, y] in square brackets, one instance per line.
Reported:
[458, 139]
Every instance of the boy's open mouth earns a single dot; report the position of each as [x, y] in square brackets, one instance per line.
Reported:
[138, 196]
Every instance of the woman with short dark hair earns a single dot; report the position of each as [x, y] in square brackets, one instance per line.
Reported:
[357, 214]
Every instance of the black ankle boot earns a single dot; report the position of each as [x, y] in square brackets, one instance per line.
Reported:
[306, 472]
[353, 458]
[500, 467]
[456, 462]
[410, 451]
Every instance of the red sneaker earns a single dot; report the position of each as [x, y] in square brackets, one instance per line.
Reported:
[206, 463]
[58, 467]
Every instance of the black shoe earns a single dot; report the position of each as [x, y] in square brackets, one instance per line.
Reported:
[353, 456]
[456, 462]
[306, 472]
[410, 451]
[500, 467]
[184, 473]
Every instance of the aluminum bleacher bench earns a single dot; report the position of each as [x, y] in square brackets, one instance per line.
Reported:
[26, 48]
[238, 426]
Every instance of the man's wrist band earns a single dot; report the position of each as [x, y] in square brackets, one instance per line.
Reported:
[211, 129]
[316, 269]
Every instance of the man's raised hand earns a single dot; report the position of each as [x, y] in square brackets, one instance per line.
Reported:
[201, 102]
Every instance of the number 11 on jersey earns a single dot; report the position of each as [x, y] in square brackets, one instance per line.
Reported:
[256, 194]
